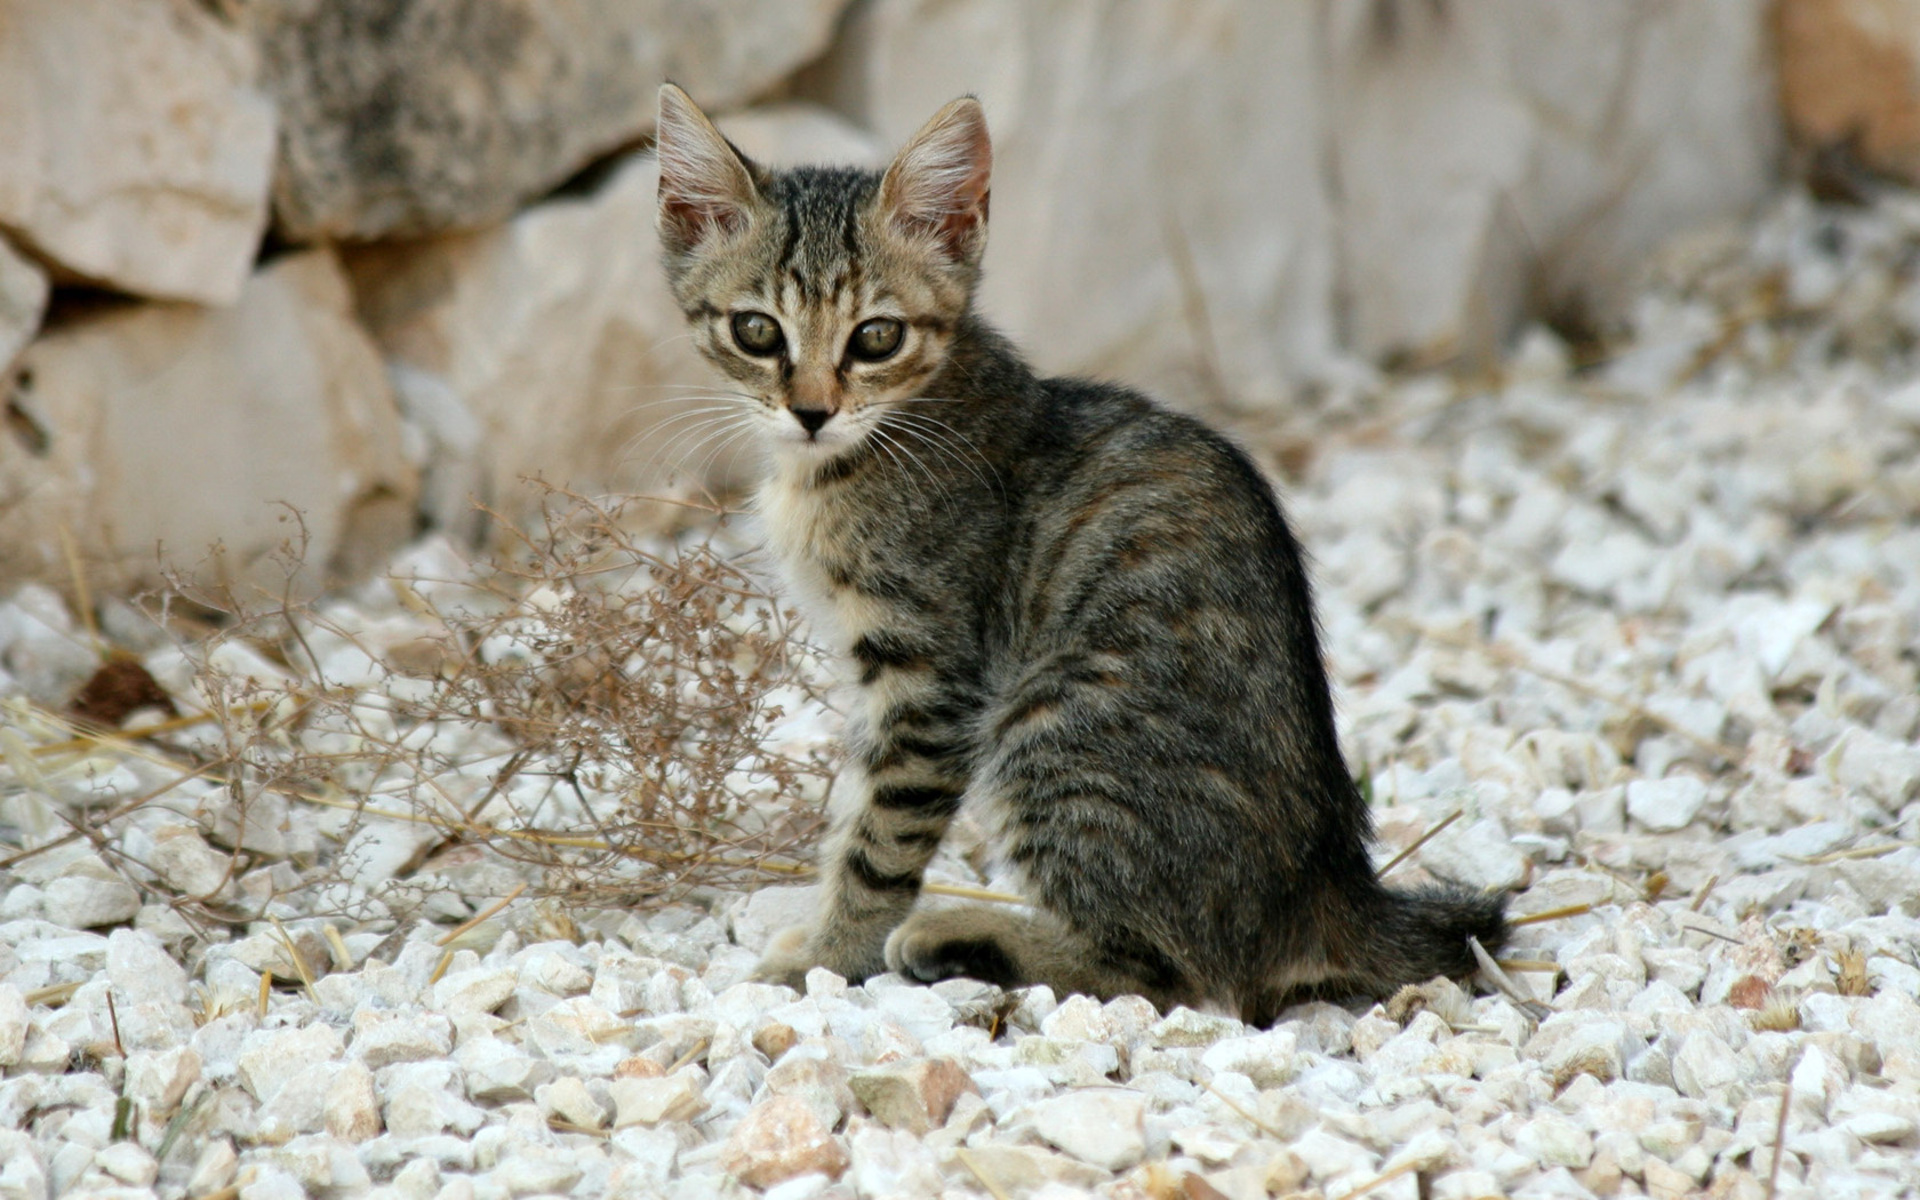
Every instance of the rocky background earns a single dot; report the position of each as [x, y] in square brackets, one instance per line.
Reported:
[374, 261]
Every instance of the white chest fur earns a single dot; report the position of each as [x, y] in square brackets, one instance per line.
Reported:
[808, 529]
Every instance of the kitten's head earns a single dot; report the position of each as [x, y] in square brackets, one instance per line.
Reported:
[830, 294]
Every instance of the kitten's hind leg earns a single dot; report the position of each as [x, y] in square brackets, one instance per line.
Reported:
[1010, 948]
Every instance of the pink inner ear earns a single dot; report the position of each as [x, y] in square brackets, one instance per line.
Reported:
[939, 183]
[695, 219]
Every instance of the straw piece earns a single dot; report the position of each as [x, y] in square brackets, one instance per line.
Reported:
[1422, 840]
[480, 916]
[967, 1160]
[1552, 914]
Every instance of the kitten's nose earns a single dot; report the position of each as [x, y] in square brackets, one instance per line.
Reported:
[811, 419]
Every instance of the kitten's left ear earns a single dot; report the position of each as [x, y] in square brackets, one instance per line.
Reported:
[937, 186]
[706, 187]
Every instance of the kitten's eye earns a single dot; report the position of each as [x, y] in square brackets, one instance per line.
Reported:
[875, 339]
[757, 333]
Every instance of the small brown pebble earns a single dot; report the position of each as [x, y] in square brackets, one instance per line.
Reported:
[1749, 991]
[121, 686]
[638, 1068]
[774, 1039]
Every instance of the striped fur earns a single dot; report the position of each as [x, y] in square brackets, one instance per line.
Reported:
[1062, 601]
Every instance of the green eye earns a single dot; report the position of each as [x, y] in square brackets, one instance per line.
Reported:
[875, 339]
[757, 333]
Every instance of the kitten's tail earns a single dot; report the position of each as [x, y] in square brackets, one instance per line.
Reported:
[1423, 932]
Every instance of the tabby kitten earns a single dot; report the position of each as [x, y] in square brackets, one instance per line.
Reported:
[1063, 601]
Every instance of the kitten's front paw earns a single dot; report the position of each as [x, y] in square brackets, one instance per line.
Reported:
[936, 946]
[788, 958]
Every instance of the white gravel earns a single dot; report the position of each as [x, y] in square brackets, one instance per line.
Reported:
[1649, 628]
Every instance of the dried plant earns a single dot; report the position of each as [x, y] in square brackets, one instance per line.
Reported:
[604, 714]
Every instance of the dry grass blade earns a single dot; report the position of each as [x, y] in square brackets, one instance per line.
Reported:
[690, 1057]
[1834, 856]
[1422, 840]
[1551, 914]
[480, 917]
[1543, 966]
[52, 997]
[973, 893]
[342, 957]
[1405, 1168]
[297, 959]
[1244, 1115]
[1511, 990]
[1706, 889]
[973, 1168]
[1780, 1133]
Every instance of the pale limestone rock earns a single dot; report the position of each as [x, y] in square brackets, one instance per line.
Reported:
[128, 1162]
[136, 152]
[568, 1099]
[473, 990]
[159, 1079]
[89, 900]
[1100, 1126]
[383, 1038]
[213, 1167]
[352, 1107]
[1704, 1064]
[136, 407]
[1189, 1027]
[1266, 1058]
[184, 861]
[1478, 855]
[23, 301]
[914, 1096]
[526, 1175]
[421, 1100]
[1024, 1170]
[403, 118]
[141, 970]
[498, 1070]
[269, 1057]
[1664, 805]
[811, 1075]
[778, 1139]
[15, 1020]
[675, 1097]
[549, 345]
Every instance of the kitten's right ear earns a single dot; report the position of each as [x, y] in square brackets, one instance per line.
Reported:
[706, 187]
[938, 183]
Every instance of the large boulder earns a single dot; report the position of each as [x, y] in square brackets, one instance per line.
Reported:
[549, 346]
[1220, 198]
[1509, 159]
[1850, 78]
[409, 117]
[23, 301]
[170, 436]
[135, 152]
